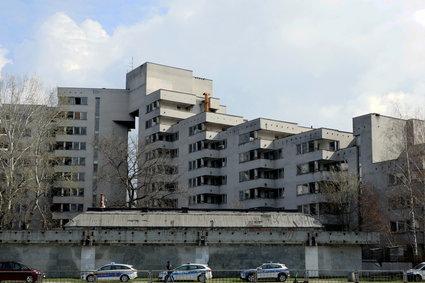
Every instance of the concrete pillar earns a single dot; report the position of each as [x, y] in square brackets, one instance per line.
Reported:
[312, 260]
[88, 258]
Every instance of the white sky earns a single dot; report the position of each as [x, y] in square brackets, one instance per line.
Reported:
[313, 62]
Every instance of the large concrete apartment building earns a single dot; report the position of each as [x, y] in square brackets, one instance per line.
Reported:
[221, 160]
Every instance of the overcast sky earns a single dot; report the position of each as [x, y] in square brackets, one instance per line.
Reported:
[315, 62]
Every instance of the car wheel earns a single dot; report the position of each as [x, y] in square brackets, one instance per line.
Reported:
[418, 278]
[250, 278]
[124, 278]
[281, 277]
[202, 278]
[91, 278]
[29, 279]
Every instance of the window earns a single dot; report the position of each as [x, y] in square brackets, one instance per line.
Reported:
[265, 193]
[244, 157]
[172, 137]
[299, 151]
[70, 146]
[73, 130]
[334, 145]
[199, 145]
[305, 168]
[151, 122]
[218, 145]
[69, 161]
[308, 188]
[244, 176]
[73, 100]
[75, 115]
[206, 162]
[280, 173]
[396, 179]
[247, 137]
[306, 147]
[196, 129]
[152, 106]
[80, 176]
[400, 226]
[68, 176]
[311, 146]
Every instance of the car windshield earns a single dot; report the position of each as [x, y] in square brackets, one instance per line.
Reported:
[17, 266]
[419, 266]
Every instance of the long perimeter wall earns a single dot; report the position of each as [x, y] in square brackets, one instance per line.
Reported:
[149, 249]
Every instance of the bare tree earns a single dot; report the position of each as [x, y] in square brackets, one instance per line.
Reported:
[148, 175]
[25, 150]
[373, 213]
[342, 191]
[407, 176]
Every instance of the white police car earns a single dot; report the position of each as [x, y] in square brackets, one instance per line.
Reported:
[190, 271]
[416, 273]
[112, 271]
[268, 270]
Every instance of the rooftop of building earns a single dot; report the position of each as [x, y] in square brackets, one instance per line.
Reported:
[193, 218]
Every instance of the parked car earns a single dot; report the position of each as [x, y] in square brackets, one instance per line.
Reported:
[112, 271]
[417, 273]
[12, 270]
[269, 270]
[189, 271]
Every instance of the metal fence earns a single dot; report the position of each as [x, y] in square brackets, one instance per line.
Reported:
[231, 276]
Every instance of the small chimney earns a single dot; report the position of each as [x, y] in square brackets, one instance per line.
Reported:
[102, 201]
[207, 102]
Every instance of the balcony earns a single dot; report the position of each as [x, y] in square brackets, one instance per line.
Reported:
[205, 135]
[318, 166]
[205, 153]
[224, 120]
[178, 98]
[318, 155]
[161, 144]
[214, 103]
[209, 198]
[205, 189]
[67, 199]
[207, 171]
[260, 203]
[259, 182]
[175, 114]
[255, 144]
[157, 128]
[64, 215]
[257, 163]
[206, 205]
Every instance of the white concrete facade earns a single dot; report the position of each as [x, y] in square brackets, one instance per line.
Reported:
[224, 161]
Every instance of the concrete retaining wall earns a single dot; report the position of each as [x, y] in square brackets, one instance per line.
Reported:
[149, 249]
[153, 257]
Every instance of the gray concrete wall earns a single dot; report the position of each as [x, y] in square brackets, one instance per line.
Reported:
[59, 258]
[339, 258]
[63, 253]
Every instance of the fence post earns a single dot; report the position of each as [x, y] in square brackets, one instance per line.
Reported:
[306, 277]
[255, 277]
[149, 276]
[404, 277]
